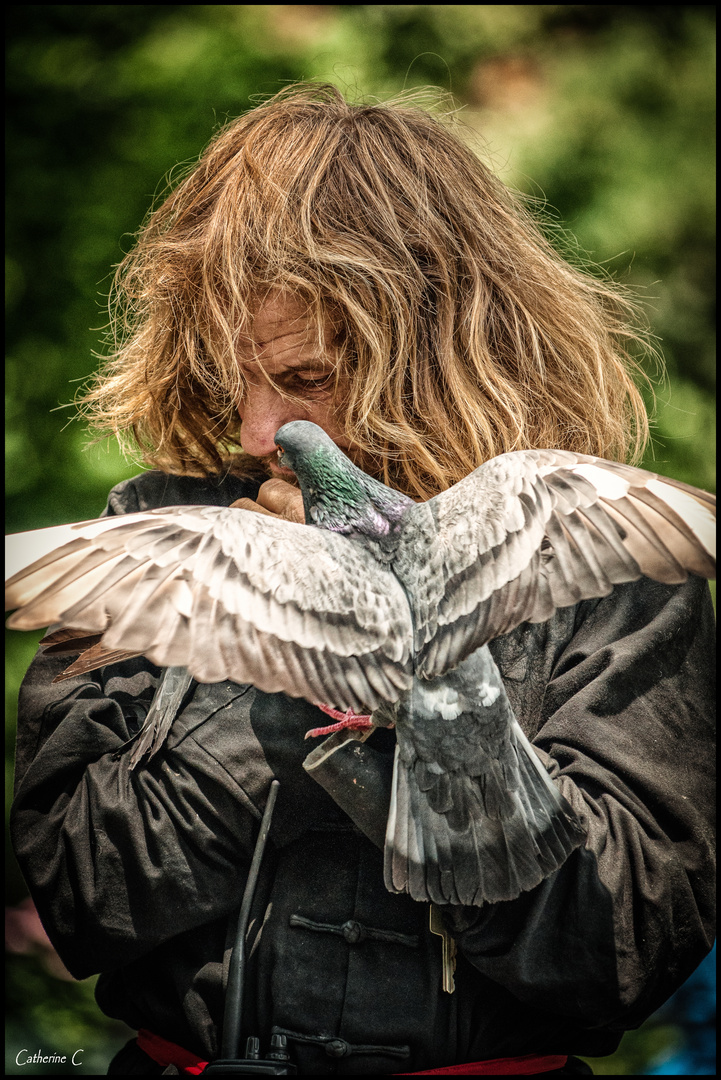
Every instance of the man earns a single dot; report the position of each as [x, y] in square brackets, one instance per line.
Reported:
[358, 267]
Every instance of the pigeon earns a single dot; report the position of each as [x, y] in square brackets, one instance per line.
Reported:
[386, 608]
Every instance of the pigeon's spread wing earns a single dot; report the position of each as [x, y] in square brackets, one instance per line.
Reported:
[229, 594]
[536, 530]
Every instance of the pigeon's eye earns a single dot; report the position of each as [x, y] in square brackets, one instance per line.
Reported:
[280, 451]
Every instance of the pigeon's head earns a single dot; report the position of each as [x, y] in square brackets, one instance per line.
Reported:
[299, 445]
[337, 495]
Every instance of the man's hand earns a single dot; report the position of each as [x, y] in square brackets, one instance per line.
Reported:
[276, 498]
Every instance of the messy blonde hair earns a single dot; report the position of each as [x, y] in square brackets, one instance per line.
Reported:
[461, 332]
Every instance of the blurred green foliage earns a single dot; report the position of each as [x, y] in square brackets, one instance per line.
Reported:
[55, 1016]
[602, 113]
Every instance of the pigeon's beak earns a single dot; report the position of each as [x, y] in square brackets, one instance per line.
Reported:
[279, 465]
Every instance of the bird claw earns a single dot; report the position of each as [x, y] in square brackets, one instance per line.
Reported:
[348, 719]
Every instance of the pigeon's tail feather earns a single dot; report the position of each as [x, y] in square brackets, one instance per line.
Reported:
[507, 830]
[173, 686]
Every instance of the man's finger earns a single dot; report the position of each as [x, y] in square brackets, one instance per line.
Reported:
[283, 499]
[248, 504]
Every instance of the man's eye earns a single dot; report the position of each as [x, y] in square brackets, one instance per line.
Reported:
[314, 382]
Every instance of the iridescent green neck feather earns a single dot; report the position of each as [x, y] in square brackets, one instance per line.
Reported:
[337, 495]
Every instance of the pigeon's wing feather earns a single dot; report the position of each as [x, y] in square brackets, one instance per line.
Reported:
[229, 594]
[93, 658]
[535, 530]
[174, 685]
[69, 641]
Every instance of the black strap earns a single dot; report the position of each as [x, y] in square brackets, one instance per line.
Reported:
[230, 1046]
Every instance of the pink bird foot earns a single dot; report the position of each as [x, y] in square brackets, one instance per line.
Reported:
[348, 719]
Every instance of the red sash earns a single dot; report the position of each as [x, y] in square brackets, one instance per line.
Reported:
[511, 1066]
[164, 1052]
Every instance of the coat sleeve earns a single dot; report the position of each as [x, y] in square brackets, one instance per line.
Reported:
[120, 861]
[116, 861]
[626, 726]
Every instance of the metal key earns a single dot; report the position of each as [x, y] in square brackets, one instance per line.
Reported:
[449, 949]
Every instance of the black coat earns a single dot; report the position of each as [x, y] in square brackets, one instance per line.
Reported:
[139, 875]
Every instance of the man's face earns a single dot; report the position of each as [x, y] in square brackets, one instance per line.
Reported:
[283, 342]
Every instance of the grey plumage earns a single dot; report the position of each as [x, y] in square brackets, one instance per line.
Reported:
[474, 816]
[384, 602]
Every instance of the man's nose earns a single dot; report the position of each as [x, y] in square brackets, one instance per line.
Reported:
[262, 411]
